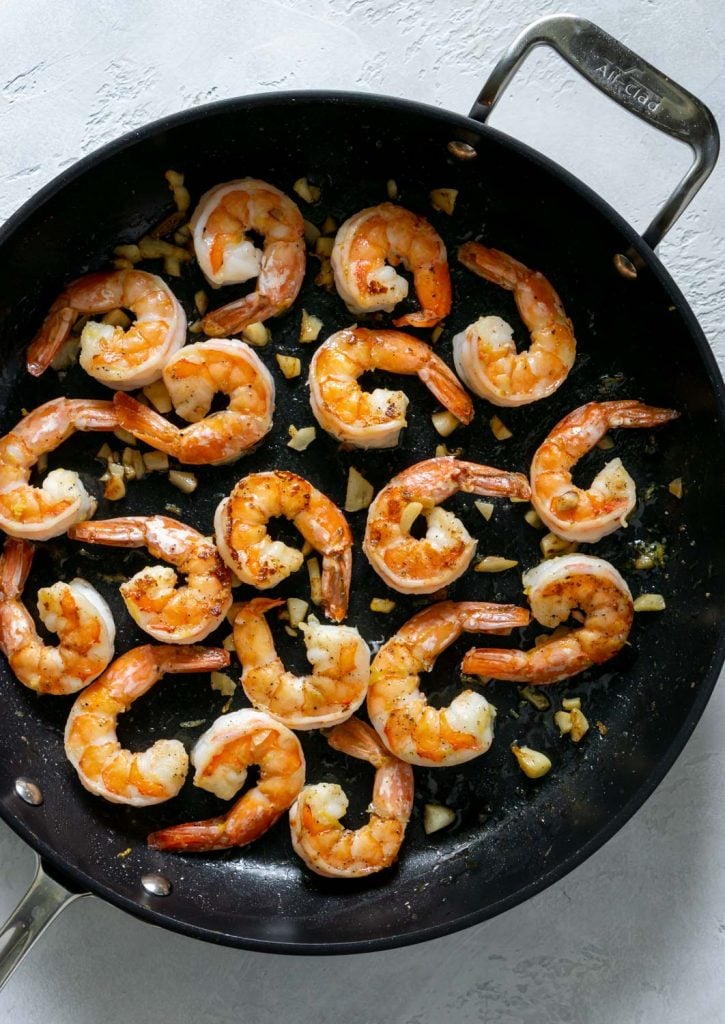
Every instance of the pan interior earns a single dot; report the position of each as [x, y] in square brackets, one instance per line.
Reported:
[511, 835]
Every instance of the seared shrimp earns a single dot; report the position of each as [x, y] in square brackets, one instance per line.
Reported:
[221, 758]
[570, 511]
[555, 589]
[91, 744]
[121, 359]
[192, 378]
[241, 521]
[179, 615]
[422, 566]
[226, 255]
[370, 244]
[408, 726]
[485, 353]
[340, 661]
[318, 836]
[375, 419]
[74, 611]
[39, 513]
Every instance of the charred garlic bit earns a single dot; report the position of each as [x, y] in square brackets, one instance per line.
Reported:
[310, 327]
[485, 508]
[551, 545]
[156, 462]
[444, 199]
[222, 682]
[499, 429]
[675, 487]
[532, 518]
[256, 335]
[391, 189]
[186, 482]
[290, 366]
[579, 725]
[532, 763]
[535, 697]
[442, 450]
[309, 193]
[494, 563]
[301, 439]
[382, 605]
[313, 570]
[437, 817]
[649, 603]
[445, 422]
[359, 492]
[158, 396]
[297, 610]
[179, 190]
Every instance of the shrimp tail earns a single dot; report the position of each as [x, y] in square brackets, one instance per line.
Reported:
[492, 264]
[192, 837]
[52, 334]
[336, 576]
[480, 617]
[124, 532]
[357, 739]
[420, 318]
[178, 658]
[486, 480]
[93, 414]
[447, 388]
[498, 664]
[15, 564]
[637, 414]
[235, 316]
[147, 425]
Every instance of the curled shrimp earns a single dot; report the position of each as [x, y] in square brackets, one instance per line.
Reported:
[221, 757]
[226, 255]
[179, 615]
[192, 377]
[318, 836]
[555, 589]
[375, 419]
[370, 244]
[121, 359]
[422, 566]
[409, 727]
[39, 513]
[104, 767]
[570, 511]
[74, 611]
[340, 661]
[240, 524]
[485, 353]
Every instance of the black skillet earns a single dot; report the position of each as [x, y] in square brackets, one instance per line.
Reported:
[637, 338]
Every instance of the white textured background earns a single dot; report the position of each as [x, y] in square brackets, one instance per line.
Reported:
[637, 933]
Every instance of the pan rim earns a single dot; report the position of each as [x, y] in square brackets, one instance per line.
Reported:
[77, 879]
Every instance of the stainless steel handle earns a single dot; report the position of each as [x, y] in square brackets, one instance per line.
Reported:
[43, 901]
[630, 81]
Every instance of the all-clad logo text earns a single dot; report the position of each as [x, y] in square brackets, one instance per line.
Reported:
[627, 83]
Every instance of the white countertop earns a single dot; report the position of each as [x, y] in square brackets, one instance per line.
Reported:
[635, 934]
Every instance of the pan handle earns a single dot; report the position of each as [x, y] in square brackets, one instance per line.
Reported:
[629, 80]
[43, 901]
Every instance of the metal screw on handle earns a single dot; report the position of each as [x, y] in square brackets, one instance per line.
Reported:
[633, 83]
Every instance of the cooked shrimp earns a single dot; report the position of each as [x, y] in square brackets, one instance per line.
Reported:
[370, 244]
[555, 589]
[179, 615]
[409, 727]
[571, 511]
[192, 378]
[91, 744]
[221, 758]
[74, 611]
[340, 661]
[241, 521]
[375, 419]
[422, 566]
[485, 353]
[226, 255]
[121, 359]
[39, 513]
[318, 836]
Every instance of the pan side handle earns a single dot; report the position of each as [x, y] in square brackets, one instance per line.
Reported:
[633, 83]
[43, 901]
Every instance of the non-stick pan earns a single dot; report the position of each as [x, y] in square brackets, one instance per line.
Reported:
[637, 338]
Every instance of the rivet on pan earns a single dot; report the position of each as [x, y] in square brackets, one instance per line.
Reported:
[461, 150]
[29, 792]
[625, 266]
[156, 884]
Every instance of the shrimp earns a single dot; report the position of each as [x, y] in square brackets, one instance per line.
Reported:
[226, 255]
[319, 838]
[75, 611]
[240, 524]
[413, 566]
[409, 727]
[370, 244]
[572, 512]
[91, 744]
[485, 353]
[120, 359]
[192, 379]
[555, 589]
[182, 615]
[374, 420]
[340, 661]
[221, 758]
[39, 513]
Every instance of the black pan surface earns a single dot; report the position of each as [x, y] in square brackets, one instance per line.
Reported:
[637, 339]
